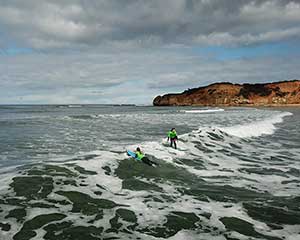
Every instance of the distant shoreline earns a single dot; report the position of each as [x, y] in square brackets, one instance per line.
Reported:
[225, 105]
[68, 105]
[132, 105]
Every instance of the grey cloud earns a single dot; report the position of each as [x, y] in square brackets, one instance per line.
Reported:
[127, 77]
[47, 72]
[82, 23]
[224, 38]
[175, 79]
[205, 71]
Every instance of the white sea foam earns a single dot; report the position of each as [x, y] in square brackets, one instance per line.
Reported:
[104, 158]
[75, 106]
[204, 110]
[258, 128]
[184, 234]
[223, 155]
[215, 160]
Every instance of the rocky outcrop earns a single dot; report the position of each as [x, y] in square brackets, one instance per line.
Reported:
[228, 94]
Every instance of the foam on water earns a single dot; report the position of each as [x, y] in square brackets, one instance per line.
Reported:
[148, 214]
[224, 153]
[217, 157]
[204, 110]
[258, 128]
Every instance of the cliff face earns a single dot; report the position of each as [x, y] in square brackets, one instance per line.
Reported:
[228, 94]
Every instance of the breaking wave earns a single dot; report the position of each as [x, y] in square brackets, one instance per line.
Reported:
[257, 128]
[218, 184]
[203, 110]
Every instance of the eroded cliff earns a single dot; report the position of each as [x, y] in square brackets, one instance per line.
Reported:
[228, 94]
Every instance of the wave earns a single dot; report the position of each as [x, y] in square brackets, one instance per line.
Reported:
[203, 110]
[91, 116]
[69, 106]
[215, 172]
[74, 106]
[257, 128]
[224, 155]
[212, 140]
[207, 140]
[81, 117]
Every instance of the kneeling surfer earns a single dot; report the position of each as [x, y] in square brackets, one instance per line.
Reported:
[172, 136]
[141, 156]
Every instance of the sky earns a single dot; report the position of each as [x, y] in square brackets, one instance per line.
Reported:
[129, 51]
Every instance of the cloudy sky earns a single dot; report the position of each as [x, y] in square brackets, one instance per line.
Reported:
[129, 51]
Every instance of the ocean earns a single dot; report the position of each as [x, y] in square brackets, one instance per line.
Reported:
[65, 175]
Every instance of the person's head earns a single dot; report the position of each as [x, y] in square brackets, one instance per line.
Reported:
[138, 149]
[173, 129]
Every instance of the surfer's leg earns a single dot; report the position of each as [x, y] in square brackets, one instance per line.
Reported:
[149, 162]
[175, 146]
[146, 161]
[154, 163]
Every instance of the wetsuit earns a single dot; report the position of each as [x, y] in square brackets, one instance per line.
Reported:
[141, 156]
[172, 135]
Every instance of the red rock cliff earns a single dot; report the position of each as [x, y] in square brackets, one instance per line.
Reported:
[228, 94]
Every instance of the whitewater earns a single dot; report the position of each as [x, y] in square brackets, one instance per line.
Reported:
[65, 174]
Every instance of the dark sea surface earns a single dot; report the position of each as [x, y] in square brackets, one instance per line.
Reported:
[65, 175]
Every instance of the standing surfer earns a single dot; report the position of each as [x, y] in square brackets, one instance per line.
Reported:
[172, 136]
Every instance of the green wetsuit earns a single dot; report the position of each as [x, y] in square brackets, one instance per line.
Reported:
[141, 156]
[172, 135]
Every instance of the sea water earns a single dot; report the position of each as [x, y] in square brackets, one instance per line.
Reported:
[65, 175]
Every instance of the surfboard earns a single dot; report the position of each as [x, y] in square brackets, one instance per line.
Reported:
[131, 154]
[167, 144]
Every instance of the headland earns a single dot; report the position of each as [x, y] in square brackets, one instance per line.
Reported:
[284, 93]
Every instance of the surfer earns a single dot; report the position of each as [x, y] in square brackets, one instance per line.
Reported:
[172, 136]
[141, 156]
